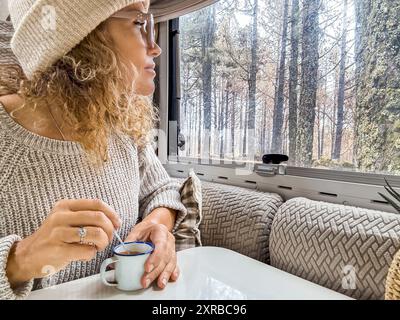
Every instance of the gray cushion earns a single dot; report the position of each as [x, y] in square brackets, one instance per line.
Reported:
[238, 219]
[344, 248]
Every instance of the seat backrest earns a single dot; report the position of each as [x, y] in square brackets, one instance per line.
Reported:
[239, 219]
[344, 248]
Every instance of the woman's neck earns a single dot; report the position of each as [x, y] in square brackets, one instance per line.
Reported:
[38, 121]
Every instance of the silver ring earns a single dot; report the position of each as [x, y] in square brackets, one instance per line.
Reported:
[82, 234]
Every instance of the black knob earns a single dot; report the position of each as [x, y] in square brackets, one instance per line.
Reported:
[274, 158]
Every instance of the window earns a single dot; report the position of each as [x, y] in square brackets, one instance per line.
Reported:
[318, 80]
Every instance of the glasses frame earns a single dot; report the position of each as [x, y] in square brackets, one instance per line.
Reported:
[146, 18]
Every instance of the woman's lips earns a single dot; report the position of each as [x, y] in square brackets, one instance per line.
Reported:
[150, 70]
[150, 66]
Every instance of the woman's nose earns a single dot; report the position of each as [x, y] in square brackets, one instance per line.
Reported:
[156, 51]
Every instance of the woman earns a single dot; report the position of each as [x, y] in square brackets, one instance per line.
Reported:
[76, 161]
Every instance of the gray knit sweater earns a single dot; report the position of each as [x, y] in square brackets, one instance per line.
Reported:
[36, 171]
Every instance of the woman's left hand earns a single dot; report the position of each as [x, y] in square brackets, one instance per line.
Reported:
[162, 263]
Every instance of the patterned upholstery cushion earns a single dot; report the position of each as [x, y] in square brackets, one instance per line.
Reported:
[188, 234]
[238, 219]
[344, 248]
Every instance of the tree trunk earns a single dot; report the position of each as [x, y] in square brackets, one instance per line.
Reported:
[221, 123]
[242, 125]
[246, 114]
[251, 114]
[362, 9]
[233, 124]
[377, 107]
[279, 98]
[309, 82]
[264, 146]
[293, 80]
[214, 120]
[200, 125]
[190, 132]
[319, 131]
[342, 75]
[323, 131]
[333, 115]
[207, 42]
[226, 116]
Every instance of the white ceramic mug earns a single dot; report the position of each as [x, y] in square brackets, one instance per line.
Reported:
[129, 269]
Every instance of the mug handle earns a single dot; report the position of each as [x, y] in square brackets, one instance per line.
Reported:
[103, 271]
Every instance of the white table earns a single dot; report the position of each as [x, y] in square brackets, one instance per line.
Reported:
[206, 273]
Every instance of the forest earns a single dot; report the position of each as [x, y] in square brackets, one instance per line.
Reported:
[317, 80]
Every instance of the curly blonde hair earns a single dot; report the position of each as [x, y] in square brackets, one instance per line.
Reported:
[89, 84]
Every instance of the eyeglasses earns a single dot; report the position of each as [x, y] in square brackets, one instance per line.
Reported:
[146, 20]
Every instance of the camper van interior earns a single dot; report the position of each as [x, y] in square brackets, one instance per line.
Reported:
[248, 150]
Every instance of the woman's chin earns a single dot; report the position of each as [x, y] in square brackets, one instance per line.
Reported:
[146, 90]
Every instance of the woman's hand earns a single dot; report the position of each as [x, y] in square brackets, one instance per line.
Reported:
[162, 263]
[57, 242]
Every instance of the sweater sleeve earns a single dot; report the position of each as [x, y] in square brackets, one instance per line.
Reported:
[157, 189]
[6, 292]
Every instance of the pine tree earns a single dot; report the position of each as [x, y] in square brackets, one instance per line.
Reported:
[378, 83]
[309, 81]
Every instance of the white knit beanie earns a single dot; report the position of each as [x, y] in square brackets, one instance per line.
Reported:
[45, 30]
